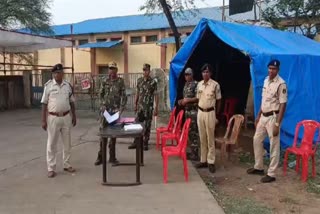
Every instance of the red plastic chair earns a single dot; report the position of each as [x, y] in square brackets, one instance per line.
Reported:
[229, 108]
[179, 150]
[305, 149]
[175, 134]
[168, 128]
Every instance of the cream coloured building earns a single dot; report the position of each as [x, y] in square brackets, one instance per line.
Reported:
[128, 40]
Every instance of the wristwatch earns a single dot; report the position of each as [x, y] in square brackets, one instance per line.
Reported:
[277, 124]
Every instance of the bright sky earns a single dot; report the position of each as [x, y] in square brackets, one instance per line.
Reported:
[70, 11]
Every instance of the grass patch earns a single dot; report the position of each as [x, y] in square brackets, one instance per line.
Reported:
[232, 205]
[313, 186]
[246, 158]
[244, 206]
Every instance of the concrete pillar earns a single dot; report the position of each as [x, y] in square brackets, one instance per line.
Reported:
[27, 88]
[163, 50]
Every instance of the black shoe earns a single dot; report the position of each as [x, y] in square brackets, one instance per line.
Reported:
[253, 171]
[98, 161]
[132, 146]
[212, 168]
[114, 162]
[201, 165]
[145, 147]
[268, 179]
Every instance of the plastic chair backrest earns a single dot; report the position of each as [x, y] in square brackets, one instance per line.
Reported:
[171, 120]
[183, 140]
[309, 130]
[177, 125]
[230, 105]
[236, 122]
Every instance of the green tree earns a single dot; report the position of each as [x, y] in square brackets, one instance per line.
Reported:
[30, 14]
[170, 8]
[303, 14]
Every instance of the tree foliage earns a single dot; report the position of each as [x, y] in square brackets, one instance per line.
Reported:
[30, 14]
[170, 8]
[304, 14]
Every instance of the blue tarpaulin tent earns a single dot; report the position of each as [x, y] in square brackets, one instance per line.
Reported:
[299, 57]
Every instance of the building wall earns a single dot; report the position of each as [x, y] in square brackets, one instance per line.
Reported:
[170, 51]
[86, 60]
[49, 56]
[81, 59]
[105, 55]
[143, 53]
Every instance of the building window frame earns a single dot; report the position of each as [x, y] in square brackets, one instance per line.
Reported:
[83, 41]
[101, 40]
[136, 39]
[151, 38]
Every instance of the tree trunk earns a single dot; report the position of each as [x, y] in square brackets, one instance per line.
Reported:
[172, 24]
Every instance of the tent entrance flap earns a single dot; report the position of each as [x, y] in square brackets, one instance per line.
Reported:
[231, 68]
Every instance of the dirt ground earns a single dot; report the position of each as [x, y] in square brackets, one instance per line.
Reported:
[238, 192]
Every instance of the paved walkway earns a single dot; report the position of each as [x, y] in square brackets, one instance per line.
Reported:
[24, 187]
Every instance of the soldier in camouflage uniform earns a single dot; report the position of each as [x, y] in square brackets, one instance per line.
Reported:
[146, 93]
[190, 102]
[112, 97]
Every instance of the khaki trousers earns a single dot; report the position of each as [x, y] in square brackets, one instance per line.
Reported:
[57, 126]
[206, 125]
[264, 128]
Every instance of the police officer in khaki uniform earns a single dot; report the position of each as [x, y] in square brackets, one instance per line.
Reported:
[58, 114]
[209, 95]
[273, 105]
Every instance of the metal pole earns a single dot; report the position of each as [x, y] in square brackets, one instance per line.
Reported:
[260, 9]
[223, 9]
[4, 61]
[72, 57]
[255, 10]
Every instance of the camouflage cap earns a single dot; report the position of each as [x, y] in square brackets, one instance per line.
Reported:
[146, 65]
[57, 68]
[112, 64]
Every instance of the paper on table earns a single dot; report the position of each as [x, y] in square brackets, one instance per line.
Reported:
[132, 127]
[111, 118]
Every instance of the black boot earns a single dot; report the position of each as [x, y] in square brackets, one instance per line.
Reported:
[132, 146]
[112, 153]
[99, 159]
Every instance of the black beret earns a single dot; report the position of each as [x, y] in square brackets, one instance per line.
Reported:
[274, 62]
[57, 68]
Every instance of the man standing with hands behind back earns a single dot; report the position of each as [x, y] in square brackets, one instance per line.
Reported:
[209, 95]
[58, 115]
[273, 106]
[145, 96]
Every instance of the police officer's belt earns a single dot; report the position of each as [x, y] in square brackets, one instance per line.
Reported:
[60, 114]
[206, 109]
[270, 113]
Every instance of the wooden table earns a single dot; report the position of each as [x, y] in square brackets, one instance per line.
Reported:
[117, 131]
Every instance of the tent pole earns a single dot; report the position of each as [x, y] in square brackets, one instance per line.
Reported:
[223, 10]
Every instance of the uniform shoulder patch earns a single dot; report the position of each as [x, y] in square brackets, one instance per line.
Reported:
[48, 82]
[284, 91]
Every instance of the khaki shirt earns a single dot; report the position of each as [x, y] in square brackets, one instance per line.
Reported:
[57, 97]
[208, 93]
[274, 93]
